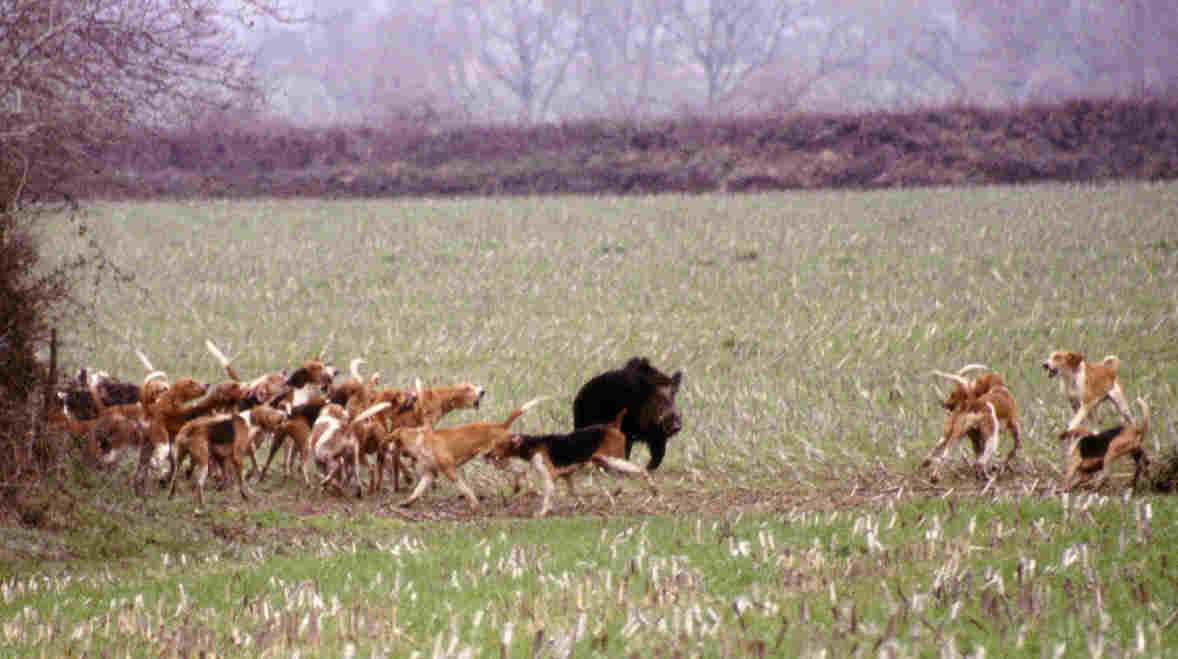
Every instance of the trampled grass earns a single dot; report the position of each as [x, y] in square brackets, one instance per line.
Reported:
[793, 519]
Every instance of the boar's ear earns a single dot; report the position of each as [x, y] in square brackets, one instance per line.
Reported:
[637, 364]
[676, 380]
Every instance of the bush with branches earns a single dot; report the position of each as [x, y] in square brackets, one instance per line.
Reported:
[76, 75]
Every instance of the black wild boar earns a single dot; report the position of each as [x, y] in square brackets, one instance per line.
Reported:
[648, 394]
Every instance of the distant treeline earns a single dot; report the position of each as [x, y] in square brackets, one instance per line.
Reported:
[1086, 140]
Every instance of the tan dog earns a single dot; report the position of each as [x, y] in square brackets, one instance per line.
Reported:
[1086, 385]
[262, 421]
[375, 439]
[296, 428]
[561, 456]
[109, 429]
[224, 437]
[445, 450]
[169, 414]
[335, 446]
[431, 405]
[977, 409]
[114, 428]
[357, 393]
[1091, 453]
[166, 409]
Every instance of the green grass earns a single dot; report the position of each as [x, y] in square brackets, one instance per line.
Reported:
[792, 521]
[1021, 577]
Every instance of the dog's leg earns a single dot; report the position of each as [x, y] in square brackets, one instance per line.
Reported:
[257, 436]
[355, 471]
[174, 458]
[463, 487]
[568, 481]
[1142, 462]
[305, 454]
[146, 450]
[541, 465]
[396, 465]
[238, 468]
[289, 458]
[628, 468]
[1014, 431]
[253, 456]
[989, 428]
[427, 478]
[990, 448]
[333, 467]
[275, 445]
[934, 458]
[202, 474]
[376, 478]
[1099, 478]
[1070, 479]
[1080, 415]
[601, 465]
[1117, 395]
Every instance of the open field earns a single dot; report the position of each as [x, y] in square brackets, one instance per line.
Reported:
[793, 519]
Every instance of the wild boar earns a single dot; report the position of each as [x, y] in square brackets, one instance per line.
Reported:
[649, 396]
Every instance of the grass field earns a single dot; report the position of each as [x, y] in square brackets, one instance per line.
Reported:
[793, 519]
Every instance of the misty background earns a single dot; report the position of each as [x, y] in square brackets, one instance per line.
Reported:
[378, 62]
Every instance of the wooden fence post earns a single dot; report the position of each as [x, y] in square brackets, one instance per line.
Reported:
[51, 378]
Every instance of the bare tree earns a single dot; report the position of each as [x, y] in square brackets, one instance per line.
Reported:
[626, 42]
[75, 72]
[524, 46]
[728, 41]
[1127, 47]
[832, 46]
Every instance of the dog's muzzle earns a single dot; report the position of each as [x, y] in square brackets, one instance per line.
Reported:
[1051, 372]
[410, 402]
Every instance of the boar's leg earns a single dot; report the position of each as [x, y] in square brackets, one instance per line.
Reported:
[658, 448]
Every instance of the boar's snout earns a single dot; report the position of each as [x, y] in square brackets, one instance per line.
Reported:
[671, 423]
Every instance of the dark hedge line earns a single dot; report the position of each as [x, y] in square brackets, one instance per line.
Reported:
[1084, 140]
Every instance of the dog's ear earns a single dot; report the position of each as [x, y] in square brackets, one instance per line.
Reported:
[299, 378]
[617, 422]
[1073, 359]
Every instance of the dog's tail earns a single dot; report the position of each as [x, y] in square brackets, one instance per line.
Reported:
[355, 367]
[523, 408]
[222, 359]
[971, 367]
[1111, 362]
[369, 413]
[144, 360]
[1144, 416]
[956, 377]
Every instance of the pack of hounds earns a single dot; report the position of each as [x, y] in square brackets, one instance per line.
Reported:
[979, 408]
[333, 425]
